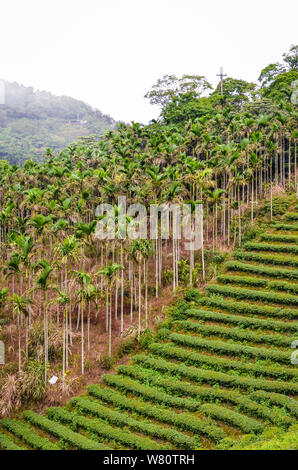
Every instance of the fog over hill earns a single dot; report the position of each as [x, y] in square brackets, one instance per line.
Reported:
[33, 120]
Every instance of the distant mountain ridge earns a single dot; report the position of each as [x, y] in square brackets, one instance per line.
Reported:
[33, 120]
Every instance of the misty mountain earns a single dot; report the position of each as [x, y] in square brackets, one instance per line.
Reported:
[33, 120]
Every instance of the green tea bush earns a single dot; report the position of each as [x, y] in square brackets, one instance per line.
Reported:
[27, 434]
[230, 348]
[266, 259]
[153, 394]
[256, 282]
[250, 246]
[237, 334]
[219, 363]
[173, 385]
[260, 270]
[99, 427]
[8, 444]
[263, 296]
[214, 378]
[122, 419]
[232, 417]
[242, 321]
[184, 421]
[277, 399]
[289, 227]
[279, 238]
[292, 216]
[62, 432]
[251, 309]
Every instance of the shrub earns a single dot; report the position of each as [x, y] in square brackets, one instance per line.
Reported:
[231, 349]
[99, 427]
[22, 388]
[266, 259]
[106, 362]
[251, 281]
[153, 394]
[62, 432]
[214, 378]
[8, 444]
[232, 417]
[27, 434]
[289, 227]
[235, 333]
[121, 419]
[205, 393]
[271, 439]
[243, 307]
[126, 347]
[163, 333]
[279, 238]
[257, 269]
[192, 295]
[292, 216]
[242, 320]
[268, 247]
[36, 341]
[147, 337]
[219, 363]
[252, 294]
[185, 421]
[277, 399]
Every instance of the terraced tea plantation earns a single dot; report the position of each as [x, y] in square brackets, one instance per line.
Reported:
[220, 369]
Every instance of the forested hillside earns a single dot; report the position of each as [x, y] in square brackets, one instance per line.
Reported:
[199, 342]
[32, 121]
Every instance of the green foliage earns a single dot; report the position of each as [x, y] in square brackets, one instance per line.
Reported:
[244, 307]
[232, 417]
[184, 421]
[149, 393]
[32, 121]
[62, 432]
[258, 282]
[27, 434]
[237, 334]
[100, 428]
[122, 419]
[212, 362]
[231, 349]
[276, 399]
[260, 270]
[268, 247]
[220, 363]
[8, 444]
[270, 439]
[210, 394]
[252, 294]
[192, 294]
[279, 238]
[287, 227]
[292, 216]
[241, 321]
[106, 362]
[235, 92]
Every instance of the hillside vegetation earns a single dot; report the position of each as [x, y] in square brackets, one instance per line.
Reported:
[32, 121]
[219, 369]
[74, 303]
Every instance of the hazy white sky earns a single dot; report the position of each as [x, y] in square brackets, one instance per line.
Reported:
[110, 52]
